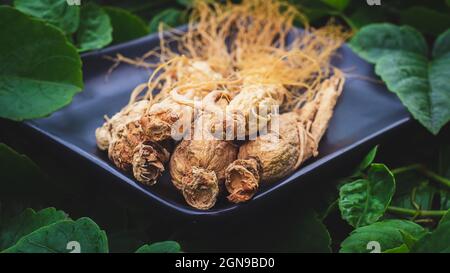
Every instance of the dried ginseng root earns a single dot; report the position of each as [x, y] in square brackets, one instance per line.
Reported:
[159, 121]
[197, 168]
[254, 106]
[195, 80]
[201, 188]
[148, 162]
[132, 112]
[280, 152]
[123, 144]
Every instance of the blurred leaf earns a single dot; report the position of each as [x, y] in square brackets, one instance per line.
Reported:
[55, 12]
[365, 16]
[444, 159]
[307, 234]
[126, 26]
[409, 183]
[444, 170]
[445, 200]
[18, 173]
[364, 201]
[171, 17]
[95, 29]
[265, 232]
[160, 247]
[27, 222]
[186, 3]
[426, 20]
[387, 233]
[313, 9]
[40, 70]
[339, 5]
[56, 238]
[437, 241]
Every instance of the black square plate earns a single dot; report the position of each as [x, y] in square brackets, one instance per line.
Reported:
[365, 112]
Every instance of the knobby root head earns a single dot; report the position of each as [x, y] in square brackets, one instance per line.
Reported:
[103, 136]
[242, 179]
[201, 188]
[123, 143]
[158, 126]
[148, 162]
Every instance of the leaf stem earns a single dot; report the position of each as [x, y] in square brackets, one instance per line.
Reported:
[406, 169]
[430, 174]
[444, 181]
[416, 213]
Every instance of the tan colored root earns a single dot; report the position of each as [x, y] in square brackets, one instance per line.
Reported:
[178, 104]
[159, 121]
[242, 179]
[148, 162]
[281, 152]
[201, 188]
[212, 155]
[277, 152]
[123, 144]
[109, 129]
[211, 120]
[316, 115]
[254, 105]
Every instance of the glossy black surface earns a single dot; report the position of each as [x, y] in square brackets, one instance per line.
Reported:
[365, 112]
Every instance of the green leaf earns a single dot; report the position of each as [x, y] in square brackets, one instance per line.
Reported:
[160, 247]
[339, 5]
[403, 248]
[444, 160]
[409, 239]
[437, 241]
[26, 223]
[57, 237]
[374, 41]
[22, 184]
[171, 17]
[400, 54]
[368, 159]
[314, 10]
[95, 29]
[411, 187]
[126, 26]
[445, 200]
[16, 172]
[420, 84]
[40, 71]
[387, 233]
[426, 20]
[307, 234]
[364, 201]
[186, 3]
[365, 16]
[299, 231]
[443, 169]
[55, 12]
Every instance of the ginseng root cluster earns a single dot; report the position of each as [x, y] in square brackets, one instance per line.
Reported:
[240, 99]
